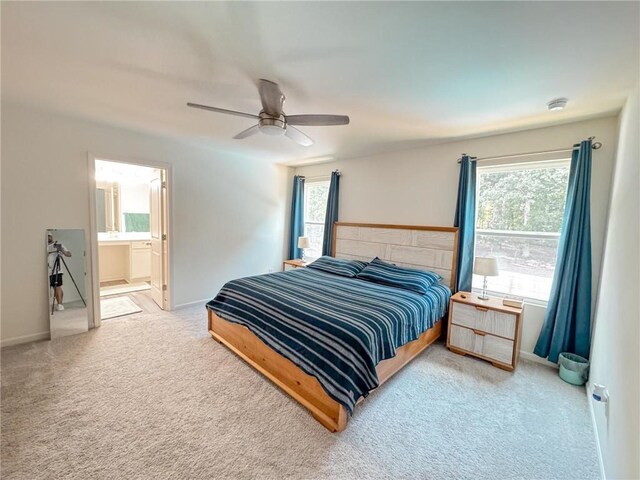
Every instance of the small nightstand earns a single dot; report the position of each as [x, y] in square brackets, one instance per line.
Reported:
[486, 329]
[291, 264]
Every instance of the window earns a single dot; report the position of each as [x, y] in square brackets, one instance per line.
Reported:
[315, 209]
[519, 218]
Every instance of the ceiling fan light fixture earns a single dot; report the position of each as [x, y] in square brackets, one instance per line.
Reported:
[557, 104]
[271, 125]
[272, 130]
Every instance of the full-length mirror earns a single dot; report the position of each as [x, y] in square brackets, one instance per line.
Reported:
[66, 279]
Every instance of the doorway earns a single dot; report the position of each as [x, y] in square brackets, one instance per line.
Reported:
[130, 237]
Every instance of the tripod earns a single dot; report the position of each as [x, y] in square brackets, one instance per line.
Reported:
[55, 270]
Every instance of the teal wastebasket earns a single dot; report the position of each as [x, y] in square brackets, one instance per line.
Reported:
[574, 369]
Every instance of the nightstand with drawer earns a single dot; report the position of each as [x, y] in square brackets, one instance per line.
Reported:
[485, 329]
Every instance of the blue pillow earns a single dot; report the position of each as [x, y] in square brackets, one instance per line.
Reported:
[407, 278]
[338, 266]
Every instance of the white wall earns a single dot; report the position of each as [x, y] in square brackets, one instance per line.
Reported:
[419, 186]
[615, 352]
[228, 211]
[134, 198]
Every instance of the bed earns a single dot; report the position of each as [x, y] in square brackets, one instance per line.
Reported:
[328, 340]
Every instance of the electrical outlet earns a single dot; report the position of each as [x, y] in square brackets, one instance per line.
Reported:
[270, 269]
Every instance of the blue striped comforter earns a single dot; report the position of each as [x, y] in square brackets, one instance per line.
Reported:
[334, 328]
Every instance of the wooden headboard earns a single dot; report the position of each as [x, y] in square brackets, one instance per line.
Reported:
[425, 248]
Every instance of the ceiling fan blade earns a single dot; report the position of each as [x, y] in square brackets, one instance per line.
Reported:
[222, 110]
[298, 137]
[248, 132]
[271, 96]
[319, 120]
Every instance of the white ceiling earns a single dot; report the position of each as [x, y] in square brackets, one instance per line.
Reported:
[407, 73]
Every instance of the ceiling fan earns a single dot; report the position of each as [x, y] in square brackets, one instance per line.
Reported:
[273, 121]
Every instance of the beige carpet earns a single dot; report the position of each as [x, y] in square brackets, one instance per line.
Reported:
[152, 396]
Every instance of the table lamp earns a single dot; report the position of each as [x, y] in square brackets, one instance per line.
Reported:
[488, 267]
[304, 243]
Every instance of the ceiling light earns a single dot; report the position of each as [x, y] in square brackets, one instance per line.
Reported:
[557, 104]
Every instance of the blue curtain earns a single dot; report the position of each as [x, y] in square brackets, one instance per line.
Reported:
[567, 321]
[465, 220]
[332, 213]
[296, 227]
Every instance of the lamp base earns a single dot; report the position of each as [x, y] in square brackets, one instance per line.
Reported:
[483, 295]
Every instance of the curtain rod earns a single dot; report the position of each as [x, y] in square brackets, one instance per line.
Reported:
[313, 177]
[595, 146]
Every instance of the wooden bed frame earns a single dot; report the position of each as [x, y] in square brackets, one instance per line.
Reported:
[432, 248]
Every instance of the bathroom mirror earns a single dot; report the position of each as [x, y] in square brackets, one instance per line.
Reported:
[66, 281]
[108, 206]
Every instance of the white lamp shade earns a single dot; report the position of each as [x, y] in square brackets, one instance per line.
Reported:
[303, 242]
[486, 266]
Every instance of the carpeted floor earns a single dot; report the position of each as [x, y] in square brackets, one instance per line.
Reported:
[153, 396]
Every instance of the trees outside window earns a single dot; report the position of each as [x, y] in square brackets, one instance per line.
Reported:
[519, 218]
[315, 210]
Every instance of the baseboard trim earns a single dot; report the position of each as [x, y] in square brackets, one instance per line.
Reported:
[532, 357]
[34, 337]
[191, 304]
[589, 388]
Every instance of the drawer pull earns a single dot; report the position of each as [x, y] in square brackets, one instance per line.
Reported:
[478, 332]
[148, 243]
[482, 309]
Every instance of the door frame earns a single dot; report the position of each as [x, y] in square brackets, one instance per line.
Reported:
[93, 263]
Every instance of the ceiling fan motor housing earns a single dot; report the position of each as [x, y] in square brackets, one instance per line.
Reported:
[272, 125]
